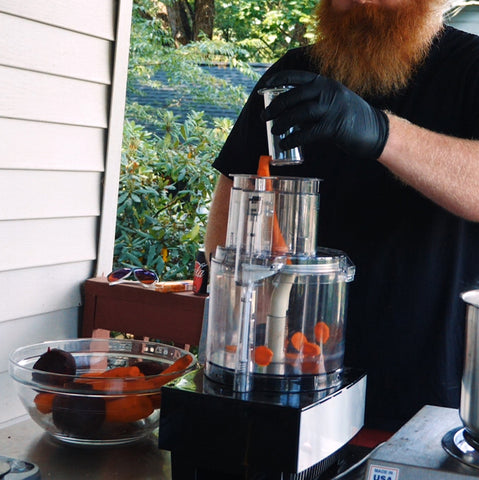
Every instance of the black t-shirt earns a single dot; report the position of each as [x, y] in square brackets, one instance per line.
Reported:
[405, 323]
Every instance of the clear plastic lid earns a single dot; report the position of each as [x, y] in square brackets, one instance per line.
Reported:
[327, 261]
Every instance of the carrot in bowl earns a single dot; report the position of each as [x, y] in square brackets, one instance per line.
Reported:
[128, 409]
[44, 402]
[173, 371]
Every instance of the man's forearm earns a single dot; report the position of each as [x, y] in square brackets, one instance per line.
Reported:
[443, 168]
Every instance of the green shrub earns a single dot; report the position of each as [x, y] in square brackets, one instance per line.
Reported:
[166, 185]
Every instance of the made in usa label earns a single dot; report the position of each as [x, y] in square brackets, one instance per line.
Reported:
[379, 472]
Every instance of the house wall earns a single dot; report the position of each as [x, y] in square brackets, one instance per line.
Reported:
[63, 67]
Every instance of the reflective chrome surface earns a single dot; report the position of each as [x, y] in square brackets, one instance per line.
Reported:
[469, 409]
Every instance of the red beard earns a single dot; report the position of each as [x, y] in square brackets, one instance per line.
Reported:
[372, 49]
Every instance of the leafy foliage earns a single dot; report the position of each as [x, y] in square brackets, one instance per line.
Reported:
[165, 189]
[265, 28]
[166, 179]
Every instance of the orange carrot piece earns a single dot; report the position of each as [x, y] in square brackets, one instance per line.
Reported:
[298, 340]
[309, 366]
[115, 379]
[279, 243]
[44, 402]
[263, 355]
[173, 371]
[231, 348]
[321, 332]
[128, 409]
[132, 384]
[263, 166]
[121, 372]
[179, 365]
[310, 349]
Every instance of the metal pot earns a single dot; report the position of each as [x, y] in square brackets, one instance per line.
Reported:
[469, 408]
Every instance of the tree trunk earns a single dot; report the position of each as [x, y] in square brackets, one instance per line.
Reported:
[204, 18]
[180, 20]
[299, 34]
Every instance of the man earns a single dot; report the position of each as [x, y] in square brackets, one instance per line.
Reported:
[387, 107]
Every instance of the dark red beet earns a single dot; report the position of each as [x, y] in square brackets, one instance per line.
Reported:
[148, 367]
[54, 360]
[78, 415]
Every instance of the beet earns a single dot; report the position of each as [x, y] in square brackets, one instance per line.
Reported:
[78, 415]
[148, 367]
[54, 360]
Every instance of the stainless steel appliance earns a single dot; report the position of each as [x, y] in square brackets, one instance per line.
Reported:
[415, 451]
[274, 399]
[463, 442]
[438, 443]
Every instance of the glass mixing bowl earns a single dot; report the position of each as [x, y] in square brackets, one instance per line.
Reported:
[113, 394]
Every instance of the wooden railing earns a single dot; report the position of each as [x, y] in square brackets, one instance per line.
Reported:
[131, 308]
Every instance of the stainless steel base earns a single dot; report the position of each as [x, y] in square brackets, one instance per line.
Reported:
[455, 443]
[415, 451]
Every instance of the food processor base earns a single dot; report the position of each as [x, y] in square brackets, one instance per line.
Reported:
[213, 432]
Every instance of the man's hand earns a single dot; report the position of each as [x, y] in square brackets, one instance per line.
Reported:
[322, 109]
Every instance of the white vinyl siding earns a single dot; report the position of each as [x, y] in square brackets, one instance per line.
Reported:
[63, 67]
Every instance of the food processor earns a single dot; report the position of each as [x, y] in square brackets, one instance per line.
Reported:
[273, 399]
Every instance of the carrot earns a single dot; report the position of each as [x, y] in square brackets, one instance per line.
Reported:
[173, 371]
[309, 366]
[179, 365]
[310, 349]
[44, 402]
[133, 384]
[321, 332]
[301, 344]
[121, 379]
[128, 409]
[263, 355]
[231, 348]
[298, 339]
[279, 243]
[263, 166]
[121, 372]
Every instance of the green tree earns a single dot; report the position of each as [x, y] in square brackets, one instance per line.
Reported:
[166, 179]
[265, 28]
[165, 189]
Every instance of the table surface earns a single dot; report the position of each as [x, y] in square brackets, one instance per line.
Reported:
[26, 441]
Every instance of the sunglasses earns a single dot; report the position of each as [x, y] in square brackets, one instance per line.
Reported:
[145, 277]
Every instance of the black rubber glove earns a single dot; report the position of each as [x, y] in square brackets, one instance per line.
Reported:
[322, 109]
